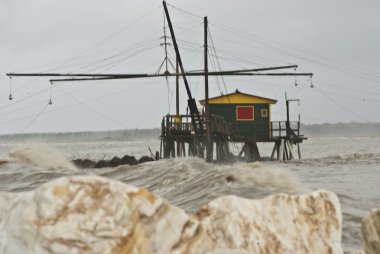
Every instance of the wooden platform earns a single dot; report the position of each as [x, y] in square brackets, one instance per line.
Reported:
[178, 139]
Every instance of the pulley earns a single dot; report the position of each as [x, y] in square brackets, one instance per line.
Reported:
[311, 83]
[10, 89]
[51, 91]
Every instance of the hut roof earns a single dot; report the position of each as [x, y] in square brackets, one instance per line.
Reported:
[239, 98]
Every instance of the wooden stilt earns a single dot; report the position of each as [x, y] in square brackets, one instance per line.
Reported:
[183, 144]
[226, 150]
[217, 150]
[291, 156]
[161, 148]
[191, 148]
[286, 154]
[178, 145]
[242, 150]
[209, 150]
[273, 151]
[299, 151]
[172, 148]
[255, 152]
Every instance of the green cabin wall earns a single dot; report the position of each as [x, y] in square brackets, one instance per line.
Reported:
[257, 129]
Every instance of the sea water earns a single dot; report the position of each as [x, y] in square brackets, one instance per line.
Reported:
[350, 167]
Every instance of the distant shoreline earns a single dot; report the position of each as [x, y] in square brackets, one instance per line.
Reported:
[352, 129]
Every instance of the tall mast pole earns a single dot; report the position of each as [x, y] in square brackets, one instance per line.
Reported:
[177, 88]
[209, 143]
[166, 48]
[195, 118]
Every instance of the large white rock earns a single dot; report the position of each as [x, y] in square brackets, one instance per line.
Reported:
[277, 224]
[89, 214]
[371, 232]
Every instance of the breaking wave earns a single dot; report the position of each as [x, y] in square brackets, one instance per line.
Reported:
[38, 155]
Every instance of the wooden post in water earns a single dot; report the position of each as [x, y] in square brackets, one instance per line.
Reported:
[282, 156]
[290, 150]
[273, 151]
[299, 151]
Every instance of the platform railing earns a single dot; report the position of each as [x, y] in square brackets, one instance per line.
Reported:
[278, 128]
[183, 124]
[177, 123]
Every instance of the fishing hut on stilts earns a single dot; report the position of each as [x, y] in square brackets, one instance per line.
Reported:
[232, 118]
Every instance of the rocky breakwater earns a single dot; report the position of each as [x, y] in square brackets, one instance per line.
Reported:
[89, 214]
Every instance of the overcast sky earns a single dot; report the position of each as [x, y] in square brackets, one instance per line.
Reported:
[339, 41]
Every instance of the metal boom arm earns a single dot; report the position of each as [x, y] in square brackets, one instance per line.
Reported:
[196, 119]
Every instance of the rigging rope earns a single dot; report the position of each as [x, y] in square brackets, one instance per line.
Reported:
[217, 60]
[34, 119]
[91, 109]
[184, 11]
[340, 105]
[89, 100]
[82, 53]
[265, 42]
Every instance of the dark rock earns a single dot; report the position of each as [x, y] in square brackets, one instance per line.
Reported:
[145, 159]
[115, 161]
[130, 160]
[102, 164]
[83, 163]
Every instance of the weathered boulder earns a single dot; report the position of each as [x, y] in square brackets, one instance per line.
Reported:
[89, 214]
[276, 224]
[371, 232]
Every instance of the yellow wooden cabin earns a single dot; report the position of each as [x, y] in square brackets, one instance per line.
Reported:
[248, 115]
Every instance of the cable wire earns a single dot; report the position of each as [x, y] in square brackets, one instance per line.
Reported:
[34, 119]
[341, 106]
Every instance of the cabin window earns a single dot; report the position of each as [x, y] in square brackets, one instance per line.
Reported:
[245, 113]
[264, 112]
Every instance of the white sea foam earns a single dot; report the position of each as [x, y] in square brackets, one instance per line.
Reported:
[39, 155]
[267, 176]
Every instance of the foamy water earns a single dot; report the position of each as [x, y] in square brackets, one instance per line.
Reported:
[348, 166]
